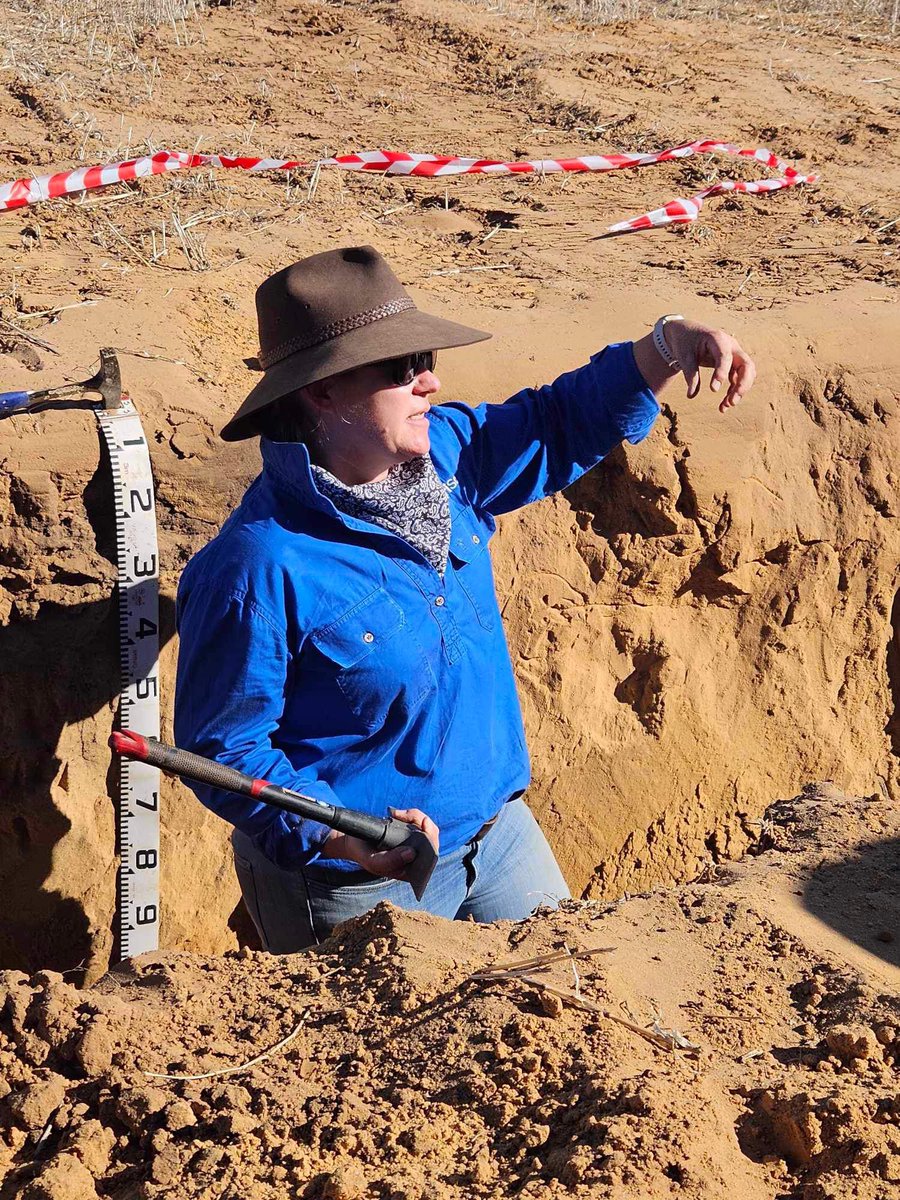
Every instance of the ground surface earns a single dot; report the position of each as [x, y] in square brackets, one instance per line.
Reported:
[404, 1078]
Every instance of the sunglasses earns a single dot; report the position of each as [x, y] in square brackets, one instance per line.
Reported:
[403, 370]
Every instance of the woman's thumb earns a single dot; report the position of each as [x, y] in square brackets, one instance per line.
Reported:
[691, 372]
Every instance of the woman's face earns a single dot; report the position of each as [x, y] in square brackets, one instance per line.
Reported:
[369, 423]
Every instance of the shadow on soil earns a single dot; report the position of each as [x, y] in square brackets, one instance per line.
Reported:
[57, 670]
[860, 898]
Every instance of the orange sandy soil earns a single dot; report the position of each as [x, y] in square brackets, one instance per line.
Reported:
[405, 1079]
[701, 625]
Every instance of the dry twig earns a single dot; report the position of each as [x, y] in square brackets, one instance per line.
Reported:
[54, 312]
[124, 240]
[520, 971]
[179, 362]
[512, 966]
[572, 963]
[242, 1066]
[460, 270]
[661, 1040]
[28, 337]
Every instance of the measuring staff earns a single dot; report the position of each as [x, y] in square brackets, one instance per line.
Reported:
[137, 907]
[341, 637]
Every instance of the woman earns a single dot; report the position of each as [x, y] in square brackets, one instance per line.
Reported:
[341, 635]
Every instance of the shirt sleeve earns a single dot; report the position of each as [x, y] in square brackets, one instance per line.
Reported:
[541, 440]
[229, 697]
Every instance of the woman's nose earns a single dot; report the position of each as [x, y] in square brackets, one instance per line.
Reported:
[426, 383]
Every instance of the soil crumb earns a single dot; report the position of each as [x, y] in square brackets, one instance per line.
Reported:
[402, 1077]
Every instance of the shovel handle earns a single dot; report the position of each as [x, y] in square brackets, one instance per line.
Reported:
[182, 762]
[382, 833]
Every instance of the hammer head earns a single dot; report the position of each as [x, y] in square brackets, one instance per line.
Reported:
[420, 870]
[108, 380]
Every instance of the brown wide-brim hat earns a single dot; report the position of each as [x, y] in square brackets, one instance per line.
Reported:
[330, 313]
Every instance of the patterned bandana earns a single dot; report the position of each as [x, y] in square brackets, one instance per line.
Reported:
[412, 502]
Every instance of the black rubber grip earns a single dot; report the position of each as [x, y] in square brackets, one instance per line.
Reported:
[195, 766]
[398, 833]
[217, 775]
[375, 830]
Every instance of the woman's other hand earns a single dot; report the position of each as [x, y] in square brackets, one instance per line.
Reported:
[695, 346]
[391, 864]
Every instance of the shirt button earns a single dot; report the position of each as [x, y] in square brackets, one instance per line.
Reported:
[368, 637]
[439, 601]
[476, 539]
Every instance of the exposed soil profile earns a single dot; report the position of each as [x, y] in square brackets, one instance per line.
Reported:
[700, 625]
[706, 622]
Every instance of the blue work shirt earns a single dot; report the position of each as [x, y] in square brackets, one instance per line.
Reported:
[327, 655]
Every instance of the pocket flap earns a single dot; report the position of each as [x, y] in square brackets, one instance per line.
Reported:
[468, 539]
[467, 542]
[360, 630]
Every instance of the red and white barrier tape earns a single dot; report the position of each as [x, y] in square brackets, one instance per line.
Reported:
[432, 166]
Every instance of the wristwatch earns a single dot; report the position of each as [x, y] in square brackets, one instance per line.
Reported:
[659, 341]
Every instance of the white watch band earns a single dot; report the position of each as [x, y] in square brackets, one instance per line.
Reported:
[659, 341]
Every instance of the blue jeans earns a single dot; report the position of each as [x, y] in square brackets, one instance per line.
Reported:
[505, 876]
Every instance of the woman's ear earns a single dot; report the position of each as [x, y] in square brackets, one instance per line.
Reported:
[318, 396]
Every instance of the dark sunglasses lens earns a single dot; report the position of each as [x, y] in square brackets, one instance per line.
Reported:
[405, 369]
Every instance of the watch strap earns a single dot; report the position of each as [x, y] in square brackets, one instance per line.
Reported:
[659, 341]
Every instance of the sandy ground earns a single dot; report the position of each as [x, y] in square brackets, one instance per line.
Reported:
[705, 623]
[770, 1071]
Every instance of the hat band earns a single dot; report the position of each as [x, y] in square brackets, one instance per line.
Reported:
[326, 332]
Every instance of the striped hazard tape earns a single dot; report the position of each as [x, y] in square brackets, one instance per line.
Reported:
[23, 192]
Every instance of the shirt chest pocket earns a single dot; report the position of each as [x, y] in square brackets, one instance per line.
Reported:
[472, 565]
[373, 658]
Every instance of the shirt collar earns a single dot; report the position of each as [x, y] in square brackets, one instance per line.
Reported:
[288, 466]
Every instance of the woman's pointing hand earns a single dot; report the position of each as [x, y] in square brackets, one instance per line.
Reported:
[695, 346]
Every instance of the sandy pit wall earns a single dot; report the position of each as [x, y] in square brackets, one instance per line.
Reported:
[698, 626]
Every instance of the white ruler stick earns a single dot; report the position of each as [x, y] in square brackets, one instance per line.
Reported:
[138, 561]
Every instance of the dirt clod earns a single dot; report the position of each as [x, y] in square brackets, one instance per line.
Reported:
[32, 1106]
[852, 1043]
[64, 1179]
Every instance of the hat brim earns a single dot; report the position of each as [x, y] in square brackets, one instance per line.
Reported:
[408, 332]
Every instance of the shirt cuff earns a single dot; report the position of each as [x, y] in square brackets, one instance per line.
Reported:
[291, 841]
[633, 407]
